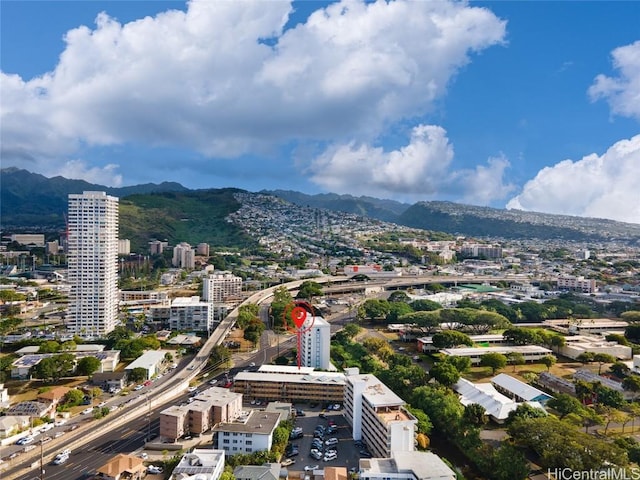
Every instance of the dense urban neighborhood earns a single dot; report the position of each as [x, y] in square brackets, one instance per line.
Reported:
[323, 345]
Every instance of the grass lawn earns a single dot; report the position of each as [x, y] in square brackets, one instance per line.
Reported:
[521, 372]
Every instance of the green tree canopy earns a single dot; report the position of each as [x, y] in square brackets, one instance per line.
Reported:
[450, 339]
[495, 361]
[445, 373]
[309, 289]
[88, 366]
[137, 375]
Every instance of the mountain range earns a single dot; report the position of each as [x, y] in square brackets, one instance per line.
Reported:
[33, 202]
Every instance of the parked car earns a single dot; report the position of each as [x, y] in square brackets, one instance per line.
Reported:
[331, 441]
[154, 469]
[311, 468]
[330, 456]
[287, 462]
[315, 454]
[87, 411]
[300, 413]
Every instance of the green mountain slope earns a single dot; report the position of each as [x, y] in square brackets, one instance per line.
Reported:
[30, 200]
[197, 216]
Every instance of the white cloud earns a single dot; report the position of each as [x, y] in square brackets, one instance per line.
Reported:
[596, 186]
[205, 79]
[622, 92]
[484, 184]
[417, 170]
[79, 170]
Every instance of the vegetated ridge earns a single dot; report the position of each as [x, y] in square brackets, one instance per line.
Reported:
[32, 202]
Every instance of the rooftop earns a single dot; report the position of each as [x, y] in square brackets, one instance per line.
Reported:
[257, 422]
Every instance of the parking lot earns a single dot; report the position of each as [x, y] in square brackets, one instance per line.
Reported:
[347, 452]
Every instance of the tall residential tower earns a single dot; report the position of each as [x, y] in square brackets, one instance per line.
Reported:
[93, 263]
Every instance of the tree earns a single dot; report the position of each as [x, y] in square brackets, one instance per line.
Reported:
[351, 330]
[525, 411]
[585, 357]
[450, 339]
[522, 336]
[281, 303]
[619, 369]
[548, 361]
[475, 414]
[49, 346]
[565, 404]
[515, 358]
[632, 384]
[73, 397]
[374, 309]
[87, 366]
[397, 310]
[55, 367]
[424, 424]
[247, 313]
[425, 305]
[495, 361]
[399, 296]
[426, 321]
[138, 375]
[509, 463]
[444, 373]
[602, 358]
[557, 342]
[309, 289]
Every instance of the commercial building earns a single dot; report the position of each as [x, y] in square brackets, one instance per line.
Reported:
[220, 287]
[93, 264]
[496, 405]
[586, 326]
[151, 361]
[184, 256]
[200, 464]
[21, 367]
[290, 384]
[208, 408]
[124, 246]
[579, 344]
[377, 415]
[250, 432]
[577, 284]
[517, 390]
[189, 313]
[35, 239]
[315, 343]
[406, 466]
[531, 353]
[425, 344]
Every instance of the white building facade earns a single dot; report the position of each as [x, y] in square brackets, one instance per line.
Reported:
[189, 313]
[218, 287]
[377, 415]
[184, 256]
[315, 344]
[93, 263]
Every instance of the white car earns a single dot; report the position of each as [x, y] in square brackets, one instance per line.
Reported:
[102, 404]
[46, 427]
[61, 458]
[25, 440]
[331, 441]
[192, 389]
[59, 423]
[87, 411]
[143, 456]
[311, 468]
[330, 456]
[153, 469]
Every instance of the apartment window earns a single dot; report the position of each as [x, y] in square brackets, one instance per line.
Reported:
[248, 442]
[225, 441]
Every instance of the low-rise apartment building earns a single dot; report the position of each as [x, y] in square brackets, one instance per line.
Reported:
[189, 313]
[406, 466]
[250, 432]
[211, 407]
[377, 415]
[290, 384]
[531, 353]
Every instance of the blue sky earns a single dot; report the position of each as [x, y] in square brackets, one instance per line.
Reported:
[531, 105]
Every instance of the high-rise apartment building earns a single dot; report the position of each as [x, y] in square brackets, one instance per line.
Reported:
[377, 415]
[184, 256]
[220, 286]
[93, 263]
[315, 343]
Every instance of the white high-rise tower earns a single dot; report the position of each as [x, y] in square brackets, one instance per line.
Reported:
[93, 263]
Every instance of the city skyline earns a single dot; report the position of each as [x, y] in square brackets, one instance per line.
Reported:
[505, 104]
